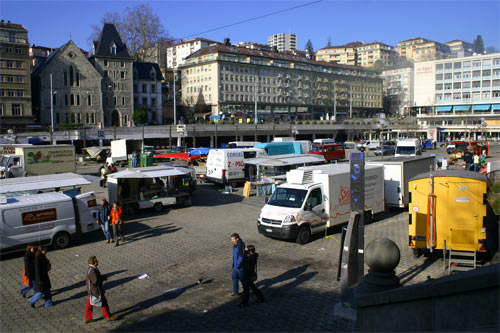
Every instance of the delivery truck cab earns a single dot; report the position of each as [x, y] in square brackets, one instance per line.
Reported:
[51, 218]
[316, 198]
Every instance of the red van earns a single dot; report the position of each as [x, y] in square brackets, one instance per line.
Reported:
[331, 151]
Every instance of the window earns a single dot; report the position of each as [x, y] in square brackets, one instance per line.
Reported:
[8, 49]
[77, 79]
[10, 78]
[122, 63]
[123, 100]
[87, 118]
[72, 99]
[65, 79]
[105, 63]
[10, 64]
[2, 109]
[58, 120]
[20, 93]
[122, 75]
[17, 110]
[18, 50]
[66, 99]
[54, 99]
[153, 88]
[113, 49]
[89, 100]
[71, 76]
[77, 99]
[11, 93]
[144, 88]
[153, 102]
[19, 64]
[73, 120]
[114, 100]
[315, 198]
[20, 79]
[12, 37]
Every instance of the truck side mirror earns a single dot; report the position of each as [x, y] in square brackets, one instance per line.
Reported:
[309, 206]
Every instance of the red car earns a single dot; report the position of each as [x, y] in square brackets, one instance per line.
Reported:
[331, 151]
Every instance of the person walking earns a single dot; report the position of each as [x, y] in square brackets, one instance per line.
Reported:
[29, 270]
[42, 280]
[476, 162]
[102, 174]
[117, 222]
[250, 274]
[468, 159]
[238, 255]
[103, 218]
[134, 159]
[95, 290]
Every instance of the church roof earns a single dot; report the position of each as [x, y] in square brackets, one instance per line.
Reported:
[144, 71]
[109, 36]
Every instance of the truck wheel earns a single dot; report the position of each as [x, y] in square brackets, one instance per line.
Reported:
[61, 240]
[304, 235]
[158, 207]
[416, 253]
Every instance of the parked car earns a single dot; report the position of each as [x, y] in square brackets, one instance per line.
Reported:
[387, 149]
[368, 145]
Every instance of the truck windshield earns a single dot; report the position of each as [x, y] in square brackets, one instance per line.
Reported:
[405, 150]
[3, 161]
[287, 197]
[317, 147]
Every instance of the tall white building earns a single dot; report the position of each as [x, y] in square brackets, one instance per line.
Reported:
[460, 95]
[283, 42]
[177, 53]
[398, 88]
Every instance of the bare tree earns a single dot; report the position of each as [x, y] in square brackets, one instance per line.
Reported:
[140, 29]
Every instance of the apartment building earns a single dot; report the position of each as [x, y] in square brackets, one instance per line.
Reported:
[459, 48]
[421, 49]
[15, 79]
[177, 53]
[343, 54]
[369, 54]
[38, 54]
[398, 88]
[405, 48]
[461, 95]
[233, 81]
[148, 90]
[283, 42]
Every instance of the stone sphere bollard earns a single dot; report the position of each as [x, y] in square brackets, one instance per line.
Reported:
[382, 255]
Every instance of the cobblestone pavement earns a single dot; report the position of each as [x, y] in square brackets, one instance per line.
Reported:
[178, 247]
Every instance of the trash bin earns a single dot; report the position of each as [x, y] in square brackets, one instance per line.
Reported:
[147, 159]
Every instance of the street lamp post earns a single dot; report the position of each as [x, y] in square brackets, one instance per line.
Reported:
[51, 111]
[175, 100]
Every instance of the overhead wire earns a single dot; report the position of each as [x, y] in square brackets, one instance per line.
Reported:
[253, 19]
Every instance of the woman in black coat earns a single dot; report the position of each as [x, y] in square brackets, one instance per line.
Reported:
[42, 280]
[250, 275]
[29, 270]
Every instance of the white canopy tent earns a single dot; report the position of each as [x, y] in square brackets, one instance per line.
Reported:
[38, 183]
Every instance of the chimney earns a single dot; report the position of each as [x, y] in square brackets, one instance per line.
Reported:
[227, 41]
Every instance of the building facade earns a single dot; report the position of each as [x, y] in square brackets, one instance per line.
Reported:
[75, 97]
[459, 48]
[233, 82]
[283, 42]
[405, 48]
[369, 54]
[15, 79]
[148, 90]
[177, 54]
[398, 88]
[344, 54]
[461, 95]
[421, 49]
[111, 58]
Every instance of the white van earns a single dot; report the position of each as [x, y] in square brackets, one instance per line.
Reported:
[47, 218]
[323, 141]
[408, 147]
[226, 166]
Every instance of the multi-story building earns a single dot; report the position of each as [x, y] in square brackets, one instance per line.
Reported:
[38, 54]
[15, 79]
[431, 51]
[344, 54]
[254, 46]
[398, 88]
[283, 42]
[461, 95]
[111, 58]
[178, 52]
[68, 87]
[405, 48]
[369, 54]
[459, 48]
[234, 81]
[148, 90]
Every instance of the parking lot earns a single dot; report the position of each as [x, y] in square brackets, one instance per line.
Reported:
[178, 247]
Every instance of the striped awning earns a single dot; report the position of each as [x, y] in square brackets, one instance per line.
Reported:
[461, 108]
[481, 107]
[496, 107]
[445, 108]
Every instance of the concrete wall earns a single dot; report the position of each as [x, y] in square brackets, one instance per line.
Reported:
[467, 301]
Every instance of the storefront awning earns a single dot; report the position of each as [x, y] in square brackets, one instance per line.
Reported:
[481, 107]
[496, 107]
[461, 108]
[445, 108]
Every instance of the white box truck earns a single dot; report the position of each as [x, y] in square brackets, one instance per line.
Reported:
[397, 172]
[122, 150]
[227, 166]
[37, 161]
[316, 198]
[51, 218]
[408, 147]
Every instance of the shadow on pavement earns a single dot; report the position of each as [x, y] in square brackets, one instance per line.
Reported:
[209, 196]
[139, 231]
[82, 283]
[415, 270]
[107, 286]
[286, 308]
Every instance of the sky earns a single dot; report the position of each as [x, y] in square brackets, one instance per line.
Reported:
[51, 23]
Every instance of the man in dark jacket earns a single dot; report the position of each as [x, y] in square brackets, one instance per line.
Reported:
[93, 282]
[250, 274]
[238, 255]
[42, 280]
[104, 218]
[468, 159]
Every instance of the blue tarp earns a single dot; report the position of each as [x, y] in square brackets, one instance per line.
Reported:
[199, 152]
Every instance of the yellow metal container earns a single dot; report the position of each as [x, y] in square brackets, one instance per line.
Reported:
[460, 211]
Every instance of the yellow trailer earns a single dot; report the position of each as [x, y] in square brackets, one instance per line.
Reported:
[447, 211]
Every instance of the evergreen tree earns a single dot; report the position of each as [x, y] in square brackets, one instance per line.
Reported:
[479, 45]
[309, 46]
